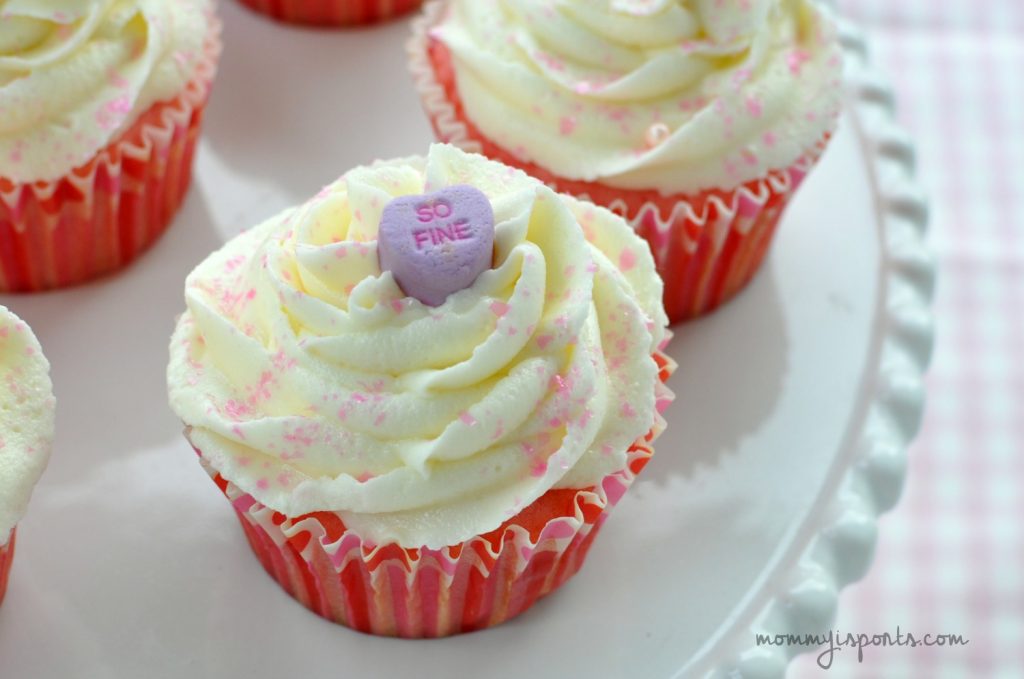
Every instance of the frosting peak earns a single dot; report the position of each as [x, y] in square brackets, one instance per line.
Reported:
[311, 381]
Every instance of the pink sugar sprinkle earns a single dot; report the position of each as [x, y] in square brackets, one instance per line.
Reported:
[796, 59]
[544, 340]
[553, 63]
[754, 106]
[627, 259]
[499, 308]
[467, 419]
[567, 125]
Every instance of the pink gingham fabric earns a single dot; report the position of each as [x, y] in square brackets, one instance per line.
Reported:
[950, 558]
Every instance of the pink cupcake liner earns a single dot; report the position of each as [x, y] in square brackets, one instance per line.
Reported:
[333, 12]
[706, 246]
[103, 215]
[6, 558]
[424, 593]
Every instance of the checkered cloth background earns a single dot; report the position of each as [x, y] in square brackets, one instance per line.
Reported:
[950, 558]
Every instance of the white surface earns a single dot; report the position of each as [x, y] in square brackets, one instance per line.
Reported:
[131, 564]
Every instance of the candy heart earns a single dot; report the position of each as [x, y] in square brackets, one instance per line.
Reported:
[437, 243]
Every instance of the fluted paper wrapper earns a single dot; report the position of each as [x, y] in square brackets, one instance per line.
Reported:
[332, 12]
[706, 246]
[6, 558]
[418, 592]
[103, 215]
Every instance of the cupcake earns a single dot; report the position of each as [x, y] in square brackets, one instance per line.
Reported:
[332, 12]
[26, 427]
[695, 120]
[424, 389]
[100, 107]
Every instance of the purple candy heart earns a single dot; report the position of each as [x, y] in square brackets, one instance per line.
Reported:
[437, 243]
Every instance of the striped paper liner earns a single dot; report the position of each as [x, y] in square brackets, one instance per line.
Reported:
[6, 558]
[103, 215]
[423, 593]
[706, 246]
[333, 12]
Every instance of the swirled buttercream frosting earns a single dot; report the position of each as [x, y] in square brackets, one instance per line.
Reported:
[673, 95]
[311, 380]
[26, 418]
[74, 74]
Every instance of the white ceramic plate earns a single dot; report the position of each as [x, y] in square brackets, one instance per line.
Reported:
[795, 406]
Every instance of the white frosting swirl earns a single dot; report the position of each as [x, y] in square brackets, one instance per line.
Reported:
[74, 74]
[310, 381]
[673, 95]
[26, 418]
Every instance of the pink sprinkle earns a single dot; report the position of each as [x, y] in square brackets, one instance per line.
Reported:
[628, 411]
[499, 308]
[467, 419]
[796, 59]
[567, 125]
[544, 340]
[553, 63]
[263, 484]
[754, 106]
[499, 431]
[627, 259]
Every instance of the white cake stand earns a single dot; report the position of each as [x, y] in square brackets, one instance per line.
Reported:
[796, 404]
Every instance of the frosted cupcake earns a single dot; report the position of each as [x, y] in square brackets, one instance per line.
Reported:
[424, 389]
[100, 108]
[694, 119]
[333, 12]
[26, 427]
